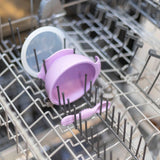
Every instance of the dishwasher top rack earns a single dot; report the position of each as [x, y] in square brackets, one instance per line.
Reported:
[34, 123]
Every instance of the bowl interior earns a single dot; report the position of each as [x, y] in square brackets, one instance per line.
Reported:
[72, 82]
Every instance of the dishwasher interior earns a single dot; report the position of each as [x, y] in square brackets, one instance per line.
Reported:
[124, 34]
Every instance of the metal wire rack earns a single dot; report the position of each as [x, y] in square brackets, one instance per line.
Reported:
[127, 131]
[150, 9]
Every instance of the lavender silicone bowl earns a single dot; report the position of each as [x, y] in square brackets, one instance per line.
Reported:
[67, 70]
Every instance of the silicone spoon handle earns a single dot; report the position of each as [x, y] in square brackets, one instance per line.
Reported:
[85, 114]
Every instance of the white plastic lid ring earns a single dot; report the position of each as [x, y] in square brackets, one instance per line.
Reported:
[46, 40]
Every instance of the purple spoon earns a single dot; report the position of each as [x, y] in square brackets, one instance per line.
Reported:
[85, 114]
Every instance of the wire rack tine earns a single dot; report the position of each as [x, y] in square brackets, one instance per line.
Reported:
[12, 32]
[19, 37]
[75, 118]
